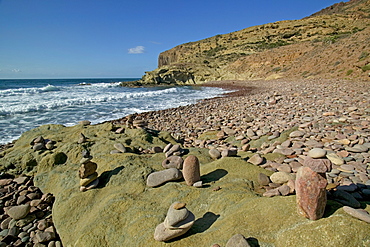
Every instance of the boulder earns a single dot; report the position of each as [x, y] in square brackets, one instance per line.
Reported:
[191, 170]
[160, 177]
[310, 193]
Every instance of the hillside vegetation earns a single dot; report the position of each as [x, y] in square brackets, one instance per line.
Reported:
[332, 43]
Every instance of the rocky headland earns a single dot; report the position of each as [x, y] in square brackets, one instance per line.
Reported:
[332, 43]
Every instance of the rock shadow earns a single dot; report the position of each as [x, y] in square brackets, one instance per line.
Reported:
[204, 223]
[104, 178]
[200, 225]
[253, 242]
[214, 176]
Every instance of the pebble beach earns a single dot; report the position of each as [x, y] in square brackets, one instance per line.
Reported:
[326, 119]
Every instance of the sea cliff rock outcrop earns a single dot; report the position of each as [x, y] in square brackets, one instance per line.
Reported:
[333, 43]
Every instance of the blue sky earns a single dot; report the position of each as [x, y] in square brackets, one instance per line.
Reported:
[120, 38]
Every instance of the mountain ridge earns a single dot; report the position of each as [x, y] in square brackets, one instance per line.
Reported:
[332, 43]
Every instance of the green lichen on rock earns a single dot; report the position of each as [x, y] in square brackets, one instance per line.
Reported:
[123, 211]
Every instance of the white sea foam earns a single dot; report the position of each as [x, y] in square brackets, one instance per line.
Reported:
[27, 91]
[22, 109]
[72, 99]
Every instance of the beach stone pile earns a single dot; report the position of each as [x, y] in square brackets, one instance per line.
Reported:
[87, 173]
[177, 222]
[173, 165]
[282, 136]
[40, 143]
[26, 218]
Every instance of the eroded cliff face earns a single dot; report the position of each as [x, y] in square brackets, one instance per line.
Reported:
[333, 43]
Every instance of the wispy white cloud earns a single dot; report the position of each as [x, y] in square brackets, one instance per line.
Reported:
[136, 50]
[155, 42]
[16, 70]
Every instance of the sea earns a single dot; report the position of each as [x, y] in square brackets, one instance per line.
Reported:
[28, 103]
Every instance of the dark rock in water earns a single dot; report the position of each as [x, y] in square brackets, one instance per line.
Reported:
[311, 193]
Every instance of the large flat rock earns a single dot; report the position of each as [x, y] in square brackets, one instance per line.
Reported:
[123, 211]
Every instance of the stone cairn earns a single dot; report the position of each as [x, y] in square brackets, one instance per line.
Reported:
[25, 214]
[39, 143]
[173, 165]
[177, 222]
[310, 184]
[87, 172]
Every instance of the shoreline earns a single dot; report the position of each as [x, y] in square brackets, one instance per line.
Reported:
[242, 88]
[266, 127]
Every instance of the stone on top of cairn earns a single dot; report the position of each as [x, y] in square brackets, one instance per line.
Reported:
[87, 172]
[177, 222]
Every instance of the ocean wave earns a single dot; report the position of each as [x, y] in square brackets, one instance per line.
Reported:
[28, 91]
[99, 85]
[61, 102]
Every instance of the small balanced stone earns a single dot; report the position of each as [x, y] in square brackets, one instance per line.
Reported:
[86, 169]
[178, 205]
[318, 165]
[317, 153]
[191, 171]
[89, 179]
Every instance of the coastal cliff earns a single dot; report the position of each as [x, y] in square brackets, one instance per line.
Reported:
[332, 43]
